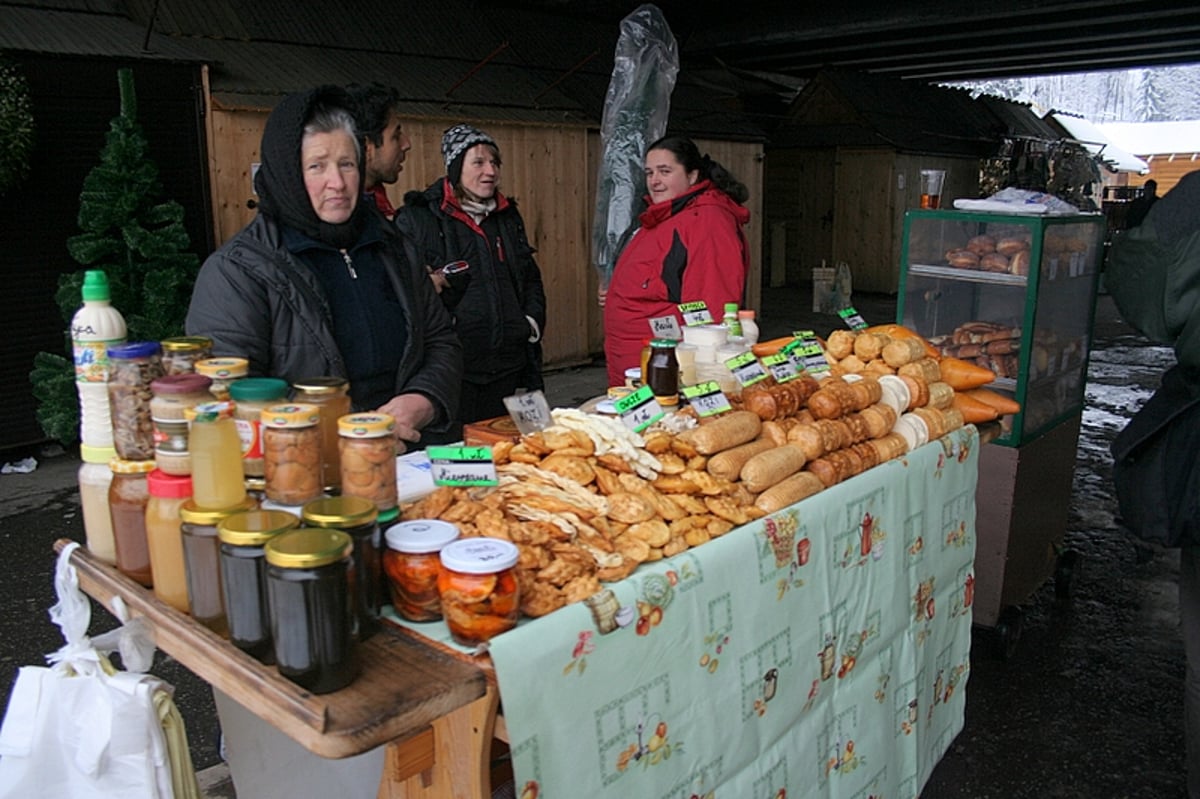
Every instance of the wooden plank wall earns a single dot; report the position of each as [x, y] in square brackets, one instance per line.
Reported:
[863, 218]
[1167, 170]
[799, 194]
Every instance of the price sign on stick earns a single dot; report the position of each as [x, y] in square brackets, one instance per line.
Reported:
[746, 369]
[666, 327]
[462, 466]
[852, 319]
[707, 398]
[530, 411]
[639, 410]
[781, 366]
[695, 313]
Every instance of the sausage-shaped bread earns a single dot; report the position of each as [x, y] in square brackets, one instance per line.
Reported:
[770, 466]
[728, 464]
[724, 432]
[788, 491]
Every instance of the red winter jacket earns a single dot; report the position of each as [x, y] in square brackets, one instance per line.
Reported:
[686, 249]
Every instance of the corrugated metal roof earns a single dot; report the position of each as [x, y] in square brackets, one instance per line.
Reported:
[84, 33]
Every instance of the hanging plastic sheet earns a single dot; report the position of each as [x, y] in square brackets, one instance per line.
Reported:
[636, 108]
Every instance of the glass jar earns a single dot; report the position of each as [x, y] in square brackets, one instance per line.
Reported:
[201, 560]
[477, 586]
[244, 576]
[252, 395]
[367, 446]
[127, 498]
[308, 589]
[330, 394]
[662, 371]
[132, 368]
[164, 537]
[179, 354]
[95, 478]
[411, 563]
[216, 456]
[292, 453]
[173, 394]
[222, 372]
[357, 517]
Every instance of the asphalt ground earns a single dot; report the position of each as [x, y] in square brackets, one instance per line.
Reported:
[1088, 705]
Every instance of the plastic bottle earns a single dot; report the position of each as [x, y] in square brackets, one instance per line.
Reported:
[731, 320]
[216, 456]
[95, 326]
[749, 326]
[168, 492]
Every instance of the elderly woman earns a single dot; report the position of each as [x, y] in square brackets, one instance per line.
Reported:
[471, 239]
[318, 284]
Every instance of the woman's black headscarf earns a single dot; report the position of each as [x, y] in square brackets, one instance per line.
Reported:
[280, 179]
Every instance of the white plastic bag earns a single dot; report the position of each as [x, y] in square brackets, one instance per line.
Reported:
[79, 728]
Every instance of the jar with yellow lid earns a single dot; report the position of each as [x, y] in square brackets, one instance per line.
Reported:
[477, 586]
[331, 395]
[309, 572]
[411, 562]
[357, 517]
[367, 444]
[127, 499]
[216, 455]
[179, 354]
[244, 576]
[222, 372]
[252, 395]
[292, 453]
[202, 563]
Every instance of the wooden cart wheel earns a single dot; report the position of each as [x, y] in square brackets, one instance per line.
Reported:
[1064, 573]
[1008, 631]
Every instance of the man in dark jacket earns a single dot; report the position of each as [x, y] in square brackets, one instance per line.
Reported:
[385, 144]
[493, 288]
[318, 284]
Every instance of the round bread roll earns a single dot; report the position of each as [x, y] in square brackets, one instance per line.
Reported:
[840, 343]
[962, 259]
[981, 245]
[1010, 246]
[994, 262]
[868, 346]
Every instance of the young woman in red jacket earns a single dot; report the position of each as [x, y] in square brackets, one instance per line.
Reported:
[689, 245]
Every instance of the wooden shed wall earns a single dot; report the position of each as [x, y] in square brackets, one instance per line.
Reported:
[1166, 170]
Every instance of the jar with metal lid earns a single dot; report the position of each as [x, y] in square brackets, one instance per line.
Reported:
[222, 372]
[477, 586]
[95, 478]
[244, 576]
[330, 394]
[411, 562]
[367, 444]
[202, 562]
[308, 589]
[252, 395]
[662, 371]
[292, 453]
[179, 354]
[216, 456]
[357, 517]
[127, 498]
[174, 394]
[132, 369]
[164, 537]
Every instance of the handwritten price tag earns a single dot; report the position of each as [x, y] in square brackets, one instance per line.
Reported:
[746, 369]
[462, 466]
[695, 313]
[781, 366]
[852, 319]
[707, 398]
[530, 411]
[666, 327]
[639, 410]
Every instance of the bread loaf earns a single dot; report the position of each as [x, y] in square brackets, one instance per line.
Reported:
[724, 432]
[788, 491]
[770, 466]
[728, 464]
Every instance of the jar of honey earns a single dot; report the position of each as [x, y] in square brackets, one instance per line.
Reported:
[222, 372]
[356, 517]
[411, 563]
[202, 563]
[477, 586]
[292, 453]
[662, 371]
[244, 576]
[179, 354]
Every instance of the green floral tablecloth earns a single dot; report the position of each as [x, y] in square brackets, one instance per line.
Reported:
[822, 651]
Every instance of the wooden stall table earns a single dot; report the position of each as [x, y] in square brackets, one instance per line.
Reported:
[432, 710]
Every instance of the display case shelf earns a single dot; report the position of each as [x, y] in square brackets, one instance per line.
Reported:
[970, 275]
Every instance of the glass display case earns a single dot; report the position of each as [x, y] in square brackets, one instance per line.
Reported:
[1011, 292]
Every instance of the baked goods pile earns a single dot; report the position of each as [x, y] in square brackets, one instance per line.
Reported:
[1008, 254]
[988, 344]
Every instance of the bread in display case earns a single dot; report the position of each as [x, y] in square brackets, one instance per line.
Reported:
[1014, 293]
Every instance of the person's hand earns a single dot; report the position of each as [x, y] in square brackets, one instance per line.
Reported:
[438, 278]
[411, 412]
[601, 296]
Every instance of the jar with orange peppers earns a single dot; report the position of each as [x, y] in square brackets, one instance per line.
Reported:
[477, 586]
[411, 563]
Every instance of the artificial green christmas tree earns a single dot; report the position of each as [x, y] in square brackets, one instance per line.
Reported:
[139, 240]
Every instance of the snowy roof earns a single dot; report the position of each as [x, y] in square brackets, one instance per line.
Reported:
[1116, 158]
[1155, 138]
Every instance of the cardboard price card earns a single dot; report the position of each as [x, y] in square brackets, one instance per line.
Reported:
[462, 466]
[707, 398]
[852, 319]
[695, 313]
[781, 367]
[746, 369]
[639, 410]
[530, 411]
[666, 327]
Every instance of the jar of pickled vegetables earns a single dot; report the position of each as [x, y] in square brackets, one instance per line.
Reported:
[222, 372]
[202, 563]
[411, 563]
[132, 368]
[309, 572]
[127, 499]
[356, 517]
[179, 354]
[292, 453]
[216, 456]
[477, 586]
[367, 443]
[244, 576]
[330, 394]
[252, 395]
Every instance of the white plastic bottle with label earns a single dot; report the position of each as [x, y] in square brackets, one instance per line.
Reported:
[749, 326]
[96, 326]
